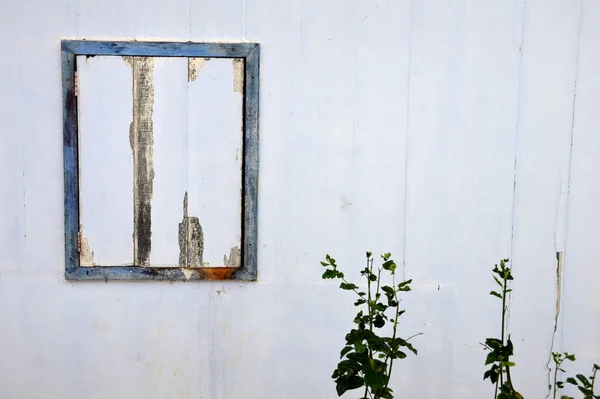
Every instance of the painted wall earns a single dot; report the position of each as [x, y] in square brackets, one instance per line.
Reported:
[451, 133]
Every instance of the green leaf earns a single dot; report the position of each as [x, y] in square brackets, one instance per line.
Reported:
[498, 281]
[345, 351]
[389, 265]
[404, 283]
[360, 302]
[388, 290]
[348, 382]
[373, 277]
[348, 365]
[379, 321]
[348, 286]
[325, 264]
[369, 254]
[375, 380]
[494, 293]
[360, 347]
[583, 379]
[491, 358]
[332, 273]
[572, 381]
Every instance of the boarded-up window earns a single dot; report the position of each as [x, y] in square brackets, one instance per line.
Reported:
[167, 160]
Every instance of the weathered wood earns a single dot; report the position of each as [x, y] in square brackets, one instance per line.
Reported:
[248, 271]
[142, 136]
[159, 49]
[105, 273]
[70, 148]
[249, 85]
[106, 213]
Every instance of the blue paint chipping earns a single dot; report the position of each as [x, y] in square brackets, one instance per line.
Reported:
[250, 52]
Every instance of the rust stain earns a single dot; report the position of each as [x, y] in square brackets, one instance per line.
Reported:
[238, 75]
[217, 273]
[142, 138]
[234, 259]
[194, 66]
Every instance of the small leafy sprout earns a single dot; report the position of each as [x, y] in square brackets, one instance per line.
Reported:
[367, 358]
[501, 349]
[559, 359]
[584, 384]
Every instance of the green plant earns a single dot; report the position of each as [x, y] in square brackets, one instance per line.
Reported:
[558, 359]
[583, 383]
[501, 349]
[367, 357]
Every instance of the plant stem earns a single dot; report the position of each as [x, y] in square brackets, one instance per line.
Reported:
[504, 288]
[556, 367]
[395, 328]
[369, 267]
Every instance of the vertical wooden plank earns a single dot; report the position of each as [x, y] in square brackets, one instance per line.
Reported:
[70, 159]
[159, 20]
[93, 19]
[278, 27]
[461, 148]
[142, 142]
[251, 166]
[550, 42]
[215, 158]
[106, 160]
[171, 153]
[581, 296]
[380, 126]
[12, 209]
[483, 192]
[40, 27]
[217, 20]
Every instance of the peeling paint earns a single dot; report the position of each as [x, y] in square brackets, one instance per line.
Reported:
[182, 233]
[191, 239]
[234, 259]
[194, 66]
[128, 60]
[238, 75]
[143, 141]
[195, 245]
[86, 255]
[187, 272]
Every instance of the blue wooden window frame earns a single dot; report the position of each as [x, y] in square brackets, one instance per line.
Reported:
[250, 52]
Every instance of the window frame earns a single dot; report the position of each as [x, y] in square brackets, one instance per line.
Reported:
[250, 53]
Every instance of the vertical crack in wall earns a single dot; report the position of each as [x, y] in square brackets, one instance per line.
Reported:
[559, 271]
[142, 138]
[191, 239]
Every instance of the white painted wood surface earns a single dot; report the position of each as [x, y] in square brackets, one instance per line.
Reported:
[215, 150]
[105, 159]
[197, 149]
[344, 85]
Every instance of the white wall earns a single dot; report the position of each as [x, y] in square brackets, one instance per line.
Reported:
[451, 133]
